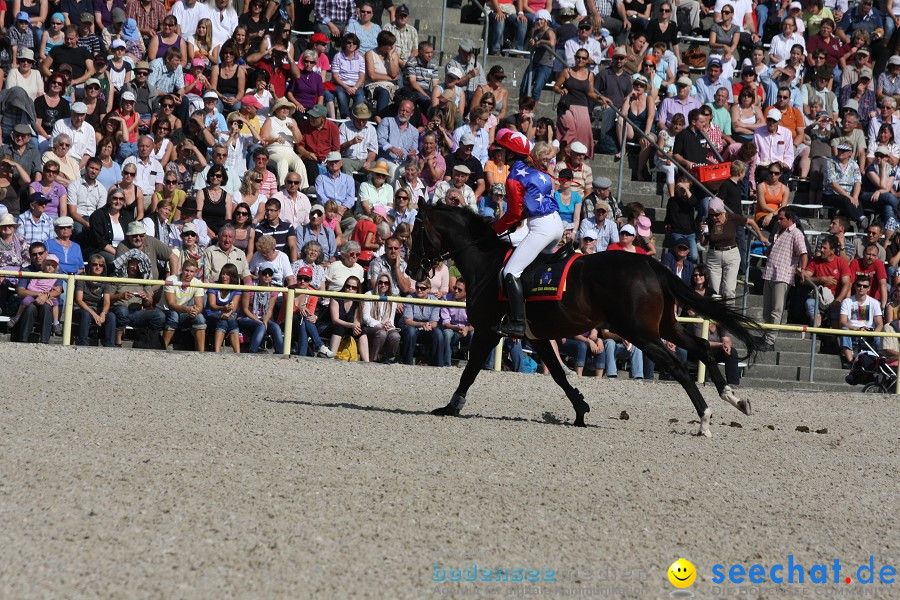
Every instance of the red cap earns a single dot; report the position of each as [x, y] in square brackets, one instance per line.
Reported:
[319, 38]
[250, 100]
[515, 142]
[306, 271]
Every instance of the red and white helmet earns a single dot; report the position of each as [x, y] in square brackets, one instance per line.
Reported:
[514, 141]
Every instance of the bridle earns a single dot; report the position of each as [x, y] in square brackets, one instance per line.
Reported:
[427, 264]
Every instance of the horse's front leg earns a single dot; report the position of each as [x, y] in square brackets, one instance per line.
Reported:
[483, 343]
[548, 356]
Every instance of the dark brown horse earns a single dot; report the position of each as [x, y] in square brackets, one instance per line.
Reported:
[634, 295]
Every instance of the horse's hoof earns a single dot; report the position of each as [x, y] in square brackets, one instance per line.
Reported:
[705, 418]
[730, 397]
[744, 407]
[446, 411]
[579, 420]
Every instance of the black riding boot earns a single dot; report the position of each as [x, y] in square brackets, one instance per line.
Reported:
[513, 325]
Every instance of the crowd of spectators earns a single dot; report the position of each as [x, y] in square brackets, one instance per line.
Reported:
[193, 141]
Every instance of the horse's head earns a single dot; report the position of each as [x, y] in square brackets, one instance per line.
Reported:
[426, 249]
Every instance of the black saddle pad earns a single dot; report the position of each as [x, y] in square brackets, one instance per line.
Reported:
[545, 278]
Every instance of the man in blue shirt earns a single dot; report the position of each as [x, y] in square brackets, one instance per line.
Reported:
[398, 139]
[707, 85]
[338, 186]
[315, 231]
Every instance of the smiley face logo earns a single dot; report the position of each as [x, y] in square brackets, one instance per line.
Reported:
[682, 573]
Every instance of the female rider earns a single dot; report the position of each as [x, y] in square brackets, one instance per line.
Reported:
[529, 195]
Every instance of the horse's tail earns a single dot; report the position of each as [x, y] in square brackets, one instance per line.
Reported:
[736, 323]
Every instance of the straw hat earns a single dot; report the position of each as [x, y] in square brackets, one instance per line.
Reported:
[282, 103]
[8, 219]
[381, 168]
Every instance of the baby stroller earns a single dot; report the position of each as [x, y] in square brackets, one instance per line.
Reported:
[872, 371]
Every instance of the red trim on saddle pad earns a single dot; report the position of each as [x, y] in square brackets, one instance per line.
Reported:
[542, 293]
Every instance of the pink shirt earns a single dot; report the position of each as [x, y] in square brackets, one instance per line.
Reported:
[774, 147]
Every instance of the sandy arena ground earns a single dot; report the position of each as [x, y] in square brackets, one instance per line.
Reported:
[180, 476]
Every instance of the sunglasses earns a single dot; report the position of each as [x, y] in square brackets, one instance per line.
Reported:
[242, 213]
[727, 12]
[34, 254]
[774, 172]
[351, 287]
[307, 278]
[666, 11]
[420, 288]
[118, 198]
[315, 214]
[404, 197]
[353, 254]
[131, 173]
[289, 182]
[257, 180]
[309, 62]
[167, 105]
[384, 283]
[189, 234]
[51, 171]
[459, 289]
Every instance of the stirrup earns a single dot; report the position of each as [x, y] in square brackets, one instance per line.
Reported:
[509, 328]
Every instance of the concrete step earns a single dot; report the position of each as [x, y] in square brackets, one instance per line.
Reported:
[798, 359]
[793, 344]
[797, 373]
[752, 382]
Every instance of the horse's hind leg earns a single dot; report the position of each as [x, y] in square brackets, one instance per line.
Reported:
[667, 360]
[699, 349]
[548, 356]
[483, 342]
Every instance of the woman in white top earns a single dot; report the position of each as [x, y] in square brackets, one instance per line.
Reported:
[376, 192]
[25, 77]
[378, 322]
[382, 70]
[279, 134]
[782, 43]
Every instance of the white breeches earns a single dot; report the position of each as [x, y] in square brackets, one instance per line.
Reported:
[543, 236]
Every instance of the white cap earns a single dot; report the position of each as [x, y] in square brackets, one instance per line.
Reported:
[578, 148]
[210, 94]
[773, 114]
[128, 97]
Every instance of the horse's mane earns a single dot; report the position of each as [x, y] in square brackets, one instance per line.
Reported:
[476, 225]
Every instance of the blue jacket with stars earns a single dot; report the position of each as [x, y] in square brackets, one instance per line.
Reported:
[529, 193]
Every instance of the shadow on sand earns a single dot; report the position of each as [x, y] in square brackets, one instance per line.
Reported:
[548, 418]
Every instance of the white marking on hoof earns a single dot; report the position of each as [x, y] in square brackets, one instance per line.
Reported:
[704, 423]
[744, 406]
[729, 396]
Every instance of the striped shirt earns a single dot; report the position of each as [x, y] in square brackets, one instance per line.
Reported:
[348, 69]
[35, 232]
[407, 39]
[334, 10]
[425, 74]
[784, 257]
